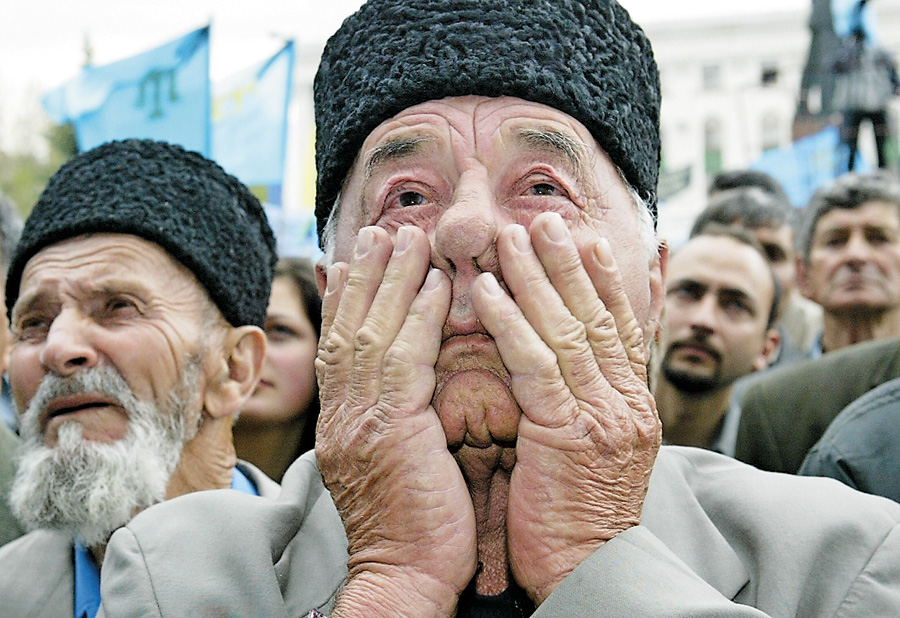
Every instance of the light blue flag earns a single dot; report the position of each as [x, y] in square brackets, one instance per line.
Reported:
[250, 124]
[809, 163]
[160, 94]
[847, 15]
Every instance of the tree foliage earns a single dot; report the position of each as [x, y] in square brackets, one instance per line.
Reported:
[23, 175]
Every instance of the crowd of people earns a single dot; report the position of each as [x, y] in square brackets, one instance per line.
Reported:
[499, 393]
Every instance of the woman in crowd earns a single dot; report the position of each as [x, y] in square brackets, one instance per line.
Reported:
[279, 422]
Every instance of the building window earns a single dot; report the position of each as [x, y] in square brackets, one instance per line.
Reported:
[769, 73]
[771, 132]
[712, 146]
[712, 77]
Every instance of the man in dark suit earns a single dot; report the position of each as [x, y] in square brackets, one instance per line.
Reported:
[785, 413]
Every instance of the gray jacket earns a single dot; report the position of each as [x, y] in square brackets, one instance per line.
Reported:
[717, 538]
[37, 573]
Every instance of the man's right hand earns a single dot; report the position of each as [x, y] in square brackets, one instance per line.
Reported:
[381, 450]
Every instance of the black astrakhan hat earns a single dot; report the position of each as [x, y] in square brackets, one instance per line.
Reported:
[583, 57]
[205, 218]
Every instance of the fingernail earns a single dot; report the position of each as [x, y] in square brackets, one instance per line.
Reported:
[555, 229]
[520, 239]
[333, 279]
[432, 281]
[365, 240]
[603, 253]
[404, 240]
[490, 285]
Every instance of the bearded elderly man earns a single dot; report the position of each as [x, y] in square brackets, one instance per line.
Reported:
[487, 175]
[137, 293]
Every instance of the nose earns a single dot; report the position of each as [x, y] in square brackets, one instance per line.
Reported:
[858, 248]
[67, 348]
[705, 314]
[466, 234]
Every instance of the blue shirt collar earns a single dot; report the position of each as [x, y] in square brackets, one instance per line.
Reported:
[87, 575]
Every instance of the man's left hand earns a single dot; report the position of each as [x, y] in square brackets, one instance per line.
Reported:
[589, 432]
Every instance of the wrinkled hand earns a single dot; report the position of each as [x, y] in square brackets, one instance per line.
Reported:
[589, 433]
[380, 446]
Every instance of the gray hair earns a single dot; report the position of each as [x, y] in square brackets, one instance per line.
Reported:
[846, 192]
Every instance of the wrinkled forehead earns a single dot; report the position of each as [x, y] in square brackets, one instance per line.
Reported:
[722, 264]
[97, 259]
[484, 112]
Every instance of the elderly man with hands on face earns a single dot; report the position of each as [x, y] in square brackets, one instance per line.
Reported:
[492, 280]
[137, 294]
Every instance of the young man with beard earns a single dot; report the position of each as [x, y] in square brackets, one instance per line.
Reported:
[718, 325]
[486, 192]
[137, 294]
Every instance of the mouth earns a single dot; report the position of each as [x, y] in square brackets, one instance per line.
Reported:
[73, 404]
[695, 350]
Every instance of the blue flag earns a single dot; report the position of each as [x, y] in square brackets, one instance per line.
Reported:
[160, 94]
[250, 124]
[808, 163]
[848, 15]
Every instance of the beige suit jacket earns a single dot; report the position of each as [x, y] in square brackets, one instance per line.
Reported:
[717, 538]
[37, 575]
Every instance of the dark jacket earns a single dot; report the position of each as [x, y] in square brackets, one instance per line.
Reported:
[785, 413]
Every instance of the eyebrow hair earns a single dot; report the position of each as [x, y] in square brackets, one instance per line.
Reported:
[727, 291]
[557, 143]
[395, 150]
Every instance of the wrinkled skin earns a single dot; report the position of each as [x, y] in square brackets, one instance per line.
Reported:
[482, 365]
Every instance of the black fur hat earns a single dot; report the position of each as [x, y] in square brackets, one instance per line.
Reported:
[205, 218]
[583, 57]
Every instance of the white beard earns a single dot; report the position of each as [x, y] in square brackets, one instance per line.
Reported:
[90, 489]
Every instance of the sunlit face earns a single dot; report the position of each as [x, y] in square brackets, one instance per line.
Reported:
[288, 382]
[104, 300]
[854, 261]
[719, 293]
[462, 169]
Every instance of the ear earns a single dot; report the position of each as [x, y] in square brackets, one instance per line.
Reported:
[658, 266]
[321, 277]
[239, 367]
[657, 283]
[770, 349]
[803, 275]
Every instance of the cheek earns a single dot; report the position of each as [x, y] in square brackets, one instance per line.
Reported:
[294, 365]
[785, 274]
[25, 375]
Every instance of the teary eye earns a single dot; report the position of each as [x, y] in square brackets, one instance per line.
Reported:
[410, 198]
[544, 188]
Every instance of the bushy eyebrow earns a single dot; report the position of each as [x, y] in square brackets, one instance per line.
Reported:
[558, 144]
[396, 149]
[697, 287]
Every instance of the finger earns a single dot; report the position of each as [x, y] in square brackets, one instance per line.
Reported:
[360, 283]
[607, 280]
[336, 279]
[559, 300]
[409, 378]
[610, 329]
[400, 284]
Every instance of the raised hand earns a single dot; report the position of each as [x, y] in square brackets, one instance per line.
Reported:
[380, 446]
[589, 432]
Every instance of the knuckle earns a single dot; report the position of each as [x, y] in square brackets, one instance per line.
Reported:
[366, 340]
[332, 347]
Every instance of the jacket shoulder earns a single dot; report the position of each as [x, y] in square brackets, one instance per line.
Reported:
[38, 576]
